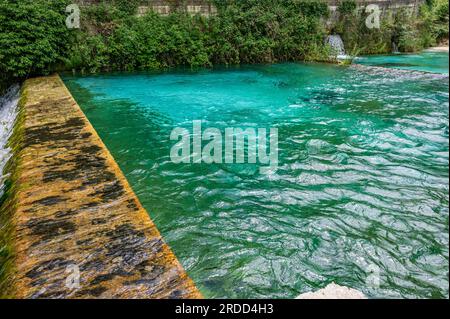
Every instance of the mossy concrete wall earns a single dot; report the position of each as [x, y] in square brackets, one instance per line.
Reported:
[206, 8]
[70, 211]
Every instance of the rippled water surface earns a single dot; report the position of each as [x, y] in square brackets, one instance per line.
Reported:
[428, 61]
[360, 198]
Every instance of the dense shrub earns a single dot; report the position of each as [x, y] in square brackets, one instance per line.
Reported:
[33, 36]
[409, 31]
[347, 7]
[127, 6]
[244, 31]
[436, 15]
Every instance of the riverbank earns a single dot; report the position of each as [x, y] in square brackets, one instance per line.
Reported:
[75, 229]
[114, 38]
[442, 48]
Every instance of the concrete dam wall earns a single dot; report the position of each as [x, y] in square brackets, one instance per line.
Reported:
[75, 227]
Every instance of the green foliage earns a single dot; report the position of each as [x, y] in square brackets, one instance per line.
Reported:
[100, 13]
[347, 7]
[268, 31]
[127, 6]
[441, 11]
[435, 19]
[356, 35]
[428, 29]
[404, 33]
[34, 39]
[88, 53]
[408, 30]
[33, 36]
[244, 31]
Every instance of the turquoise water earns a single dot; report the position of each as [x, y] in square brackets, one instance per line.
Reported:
[360, 197]
[435, 62]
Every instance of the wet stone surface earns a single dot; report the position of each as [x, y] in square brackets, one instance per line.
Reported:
[76, 213]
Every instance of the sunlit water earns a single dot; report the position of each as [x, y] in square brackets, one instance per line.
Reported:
[435, 62]
[360, 197]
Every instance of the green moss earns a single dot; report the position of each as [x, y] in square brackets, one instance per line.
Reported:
[347, 7]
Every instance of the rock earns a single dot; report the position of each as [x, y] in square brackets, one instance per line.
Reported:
[333, 291]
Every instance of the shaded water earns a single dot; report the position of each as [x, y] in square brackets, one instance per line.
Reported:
[360, 198]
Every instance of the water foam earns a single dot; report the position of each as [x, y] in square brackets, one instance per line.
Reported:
[8, 115]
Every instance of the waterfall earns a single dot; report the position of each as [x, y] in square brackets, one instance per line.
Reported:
[336, 44]
[395, 48]
[8, 114]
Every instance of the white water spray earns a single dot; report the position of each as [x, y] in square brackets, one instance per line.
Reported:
[336, 43]
[8, 115]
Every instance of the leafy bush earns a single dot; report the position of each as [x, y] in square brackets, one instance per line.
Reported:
[33, 37]
[127, 6]
[347, 7]
[438, 12]
[441, 10]
[245, 31]
[411, 32]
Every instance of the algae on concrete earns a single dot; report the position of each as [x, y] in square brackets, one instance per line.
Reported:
[69, 212]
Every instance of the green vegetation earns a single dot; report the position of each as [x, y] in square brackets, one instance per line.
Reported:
[409, 31]
[243, 32]
[34, 39]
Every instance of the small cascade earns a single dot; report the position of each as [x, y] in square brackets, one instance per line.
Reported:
[336, 44]
[8, 114]
[395, 48]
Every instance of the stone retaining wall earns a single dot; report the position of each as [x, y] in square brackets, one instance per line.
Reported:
[205, 8]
